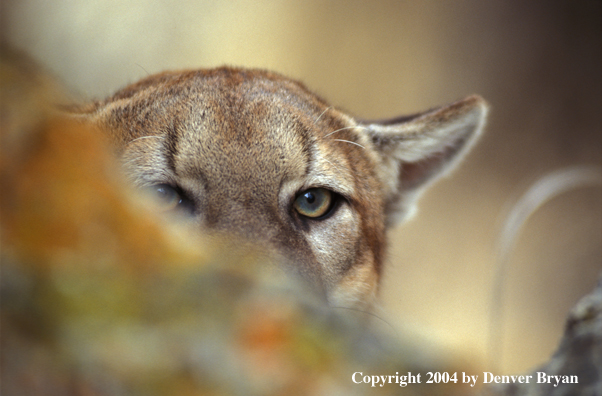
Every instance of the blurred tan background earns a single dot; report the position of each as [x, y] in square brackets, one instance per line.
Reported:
[539, 64]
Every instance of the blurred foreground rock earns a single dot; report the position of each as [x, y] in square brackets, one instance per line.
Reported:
[99, 297]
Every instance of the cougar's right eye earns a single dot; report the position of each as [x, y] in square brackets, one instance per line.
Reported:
[165, 196]
[168, 198]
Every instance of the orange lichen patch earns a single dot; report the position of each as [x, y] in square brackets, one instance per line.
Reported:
[280, 350]
[266, 330]
[265, 340]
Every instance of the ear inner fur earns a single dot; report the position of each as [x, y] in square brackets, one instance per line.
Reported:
[416, 150]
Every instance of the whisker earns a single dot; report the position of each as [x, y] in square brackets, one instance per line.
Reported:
[320, 116]
[336, 166]
[340, 129]
[132, 160]
[372, 314]
[349, 141]
[146, 137]
[140, 66]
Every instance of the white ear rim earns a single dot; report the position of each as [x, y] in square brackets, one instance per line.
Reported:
[437, 128]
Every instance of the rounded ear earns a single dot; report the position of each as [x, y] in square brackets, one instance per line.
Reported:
[418, 149]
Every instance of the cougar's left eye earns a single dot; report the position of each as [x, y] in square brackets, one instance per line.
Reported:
[314, 203]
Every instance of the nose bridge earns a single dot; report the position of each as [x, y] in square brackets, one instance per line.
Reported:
[251, 154]
[248, 214]
[255, 216]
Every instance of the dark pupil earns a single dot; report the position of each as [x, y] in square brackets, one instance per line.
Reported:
[310, 197]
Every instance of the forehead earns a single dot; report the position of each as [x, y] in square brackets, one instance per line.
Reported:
[239, 133]
[246, 130]
[240, 126]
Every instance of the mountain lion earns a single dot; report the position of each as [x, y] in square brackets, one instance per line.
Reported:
[254, 154]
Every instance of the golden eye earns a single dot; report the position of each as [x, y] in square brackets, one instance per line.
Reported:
[314, 203]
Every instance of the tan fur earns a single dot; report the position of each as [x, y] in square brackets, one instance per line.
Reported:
[241, 145]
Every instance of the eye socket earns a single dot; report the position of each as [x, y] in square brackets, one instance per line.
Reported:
[314, 203]
[168, 198]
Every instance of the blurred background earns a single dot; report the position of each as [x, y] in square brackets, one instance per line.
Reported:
[538, 63]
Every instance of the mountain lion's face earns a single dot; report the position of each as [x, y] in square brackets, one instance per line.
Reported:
[253, 154]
